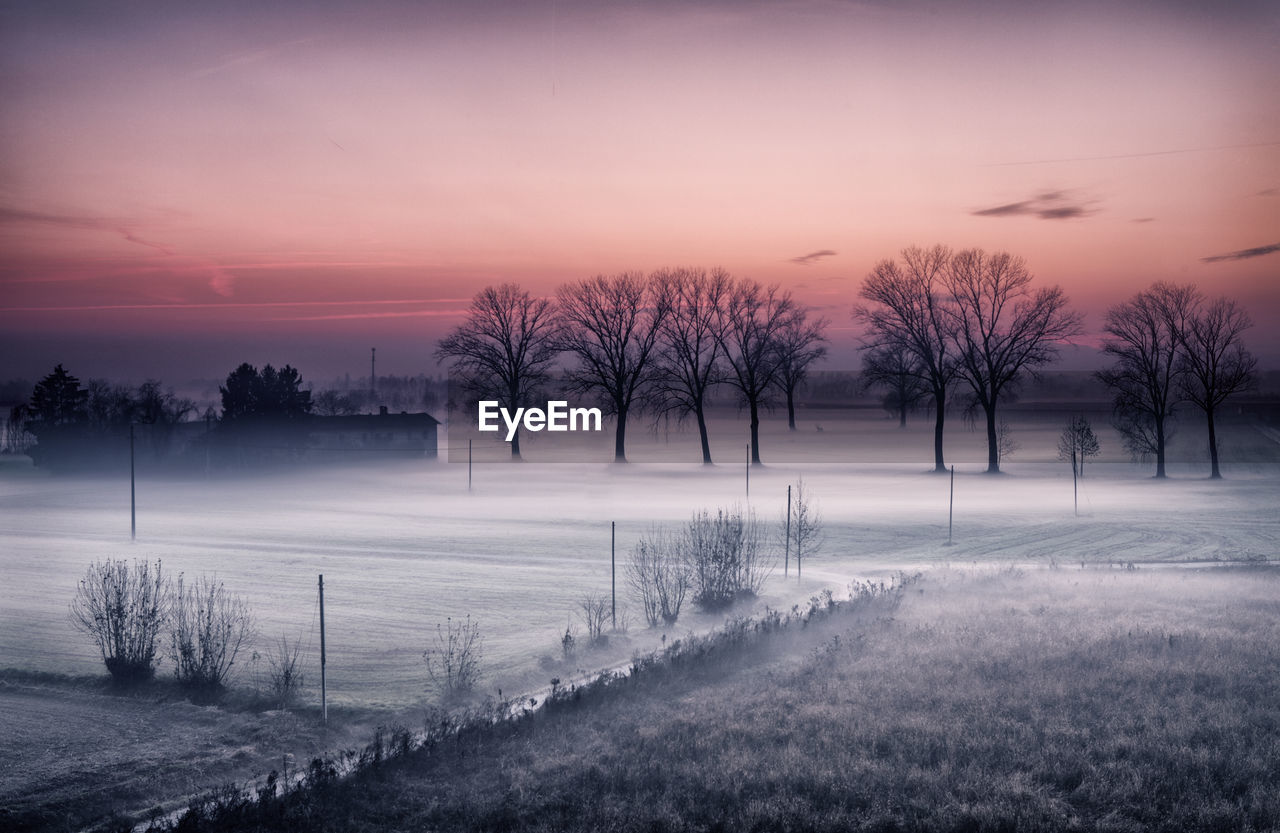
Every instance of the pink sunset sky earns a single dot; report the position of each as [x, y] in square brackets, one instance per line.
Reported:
[183, 189]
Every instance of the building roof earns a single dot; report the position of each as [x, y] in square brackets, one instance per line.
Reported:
[374, 422]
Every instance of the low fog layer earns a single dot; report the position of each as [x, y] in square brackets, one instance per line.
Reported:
[404, 546]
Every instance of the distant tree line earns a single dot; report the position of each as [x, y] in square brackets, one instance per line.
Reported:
[263, 413]
[940, 324]
[347, 396]
[659, 343]
[69, 420]
[938, 318]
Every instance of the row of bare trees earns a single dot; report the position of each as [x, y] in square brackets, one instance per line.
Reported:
[1170, 345]
[659, 343]
[937, 317]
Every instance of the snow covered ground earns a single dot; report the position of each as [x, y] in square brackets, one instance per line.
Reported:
[404, 546]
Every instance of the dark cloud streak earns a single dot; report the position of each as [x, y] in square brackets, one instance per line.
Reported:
[812, 257]
[1050, 205]
[1243, 254]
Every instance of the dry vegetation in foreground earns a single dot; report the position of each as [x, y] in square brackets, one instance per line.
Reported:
[1062, 700]
[76, 750]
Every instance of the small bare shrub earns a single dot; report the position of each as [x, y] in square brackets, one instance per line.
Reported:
[285, 672]
[209, 626]
[725, 556]
[660, 577]
[453, 662]
[123, 609]
[595, 612]
[1006, 445]
[568, 643]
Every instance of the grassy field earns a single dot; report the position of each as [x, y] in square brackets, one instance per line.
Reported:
[403, 547]
[76, 751]
[995, 699]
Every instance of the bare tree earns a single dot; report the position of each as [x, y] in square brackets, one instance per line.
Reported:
[209, 626]
[1077, 442]
[594, 610]
[16, 437]
[123, 609]
[505, 347]
[1006, 444]
[1145, 338]
[610, 324]
[453, 661]
[806, 524]
[689, 358]
[900, 373]
[1001, 329]
[907, 315]
[800, 343]
[331, 402]
[660, 577]
[751, 323]
[1215, 363]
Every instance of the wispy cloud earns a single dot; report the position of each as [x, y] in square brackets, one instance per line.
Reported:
[812, 257]
[348, 316]
[23, 216]
[1143, 220]
[251, 305]
[240, 59]
[1048, 205]
[1244, 254]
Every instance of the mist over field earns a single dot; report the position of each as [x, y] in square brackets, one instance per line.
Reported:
[405, 545]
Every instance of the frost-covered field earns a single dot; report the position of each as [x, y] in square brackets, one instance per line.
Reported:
[402, 547]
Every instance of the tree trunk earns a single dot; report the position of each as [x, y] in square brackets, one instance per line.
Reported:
[620, 438]
[791, 409]
[993, 442]
[515, 446]
[702, 434]
[755, 433]
[902, 414]
[939, 405]
[1215, 473]
[1159, 446]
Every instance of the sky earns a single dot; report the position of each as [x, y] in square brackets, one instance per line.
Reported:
[184, 187]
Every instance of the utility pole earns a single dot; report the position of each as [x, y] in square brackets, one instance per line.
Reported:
[951, 507]
[133, 494]
[1075, 487]
[324, 693]
[613, 565]
[786, 553]
[373, 373]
